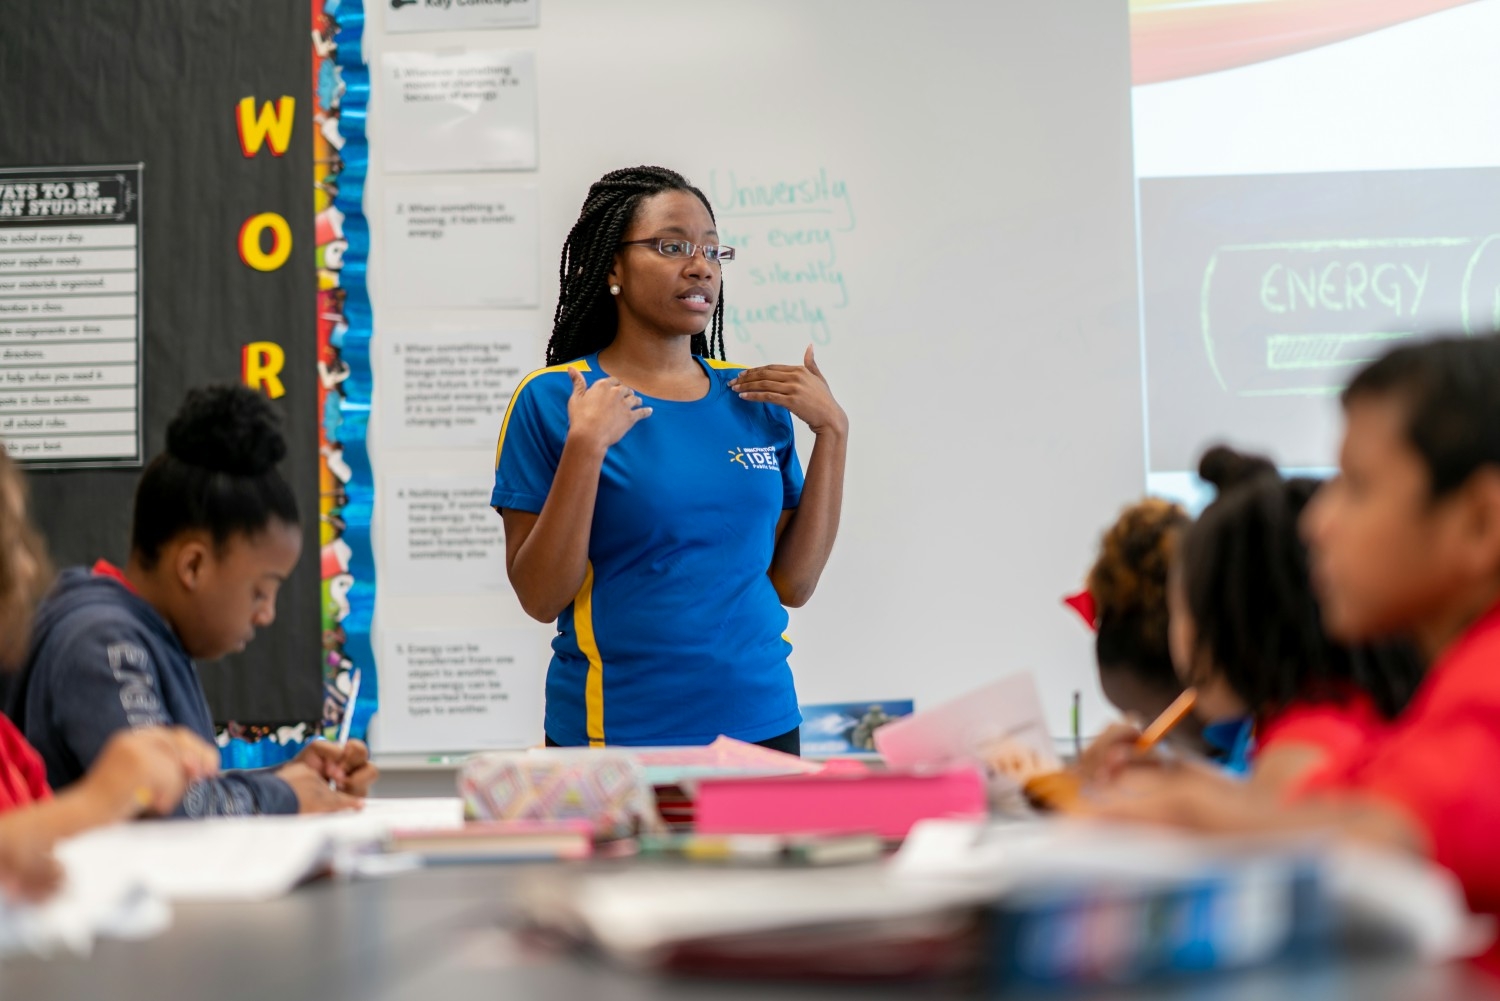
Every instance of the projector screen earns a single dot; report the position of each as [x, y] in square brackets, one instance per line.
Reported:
[1316, 181]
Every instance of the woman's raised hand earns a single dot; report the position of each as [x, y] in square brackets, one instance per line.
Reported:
[802, 389]
[603, 413]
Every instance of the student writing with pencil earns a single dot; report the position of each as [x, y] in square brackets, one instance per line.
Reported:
[215, 532]
[1246, 634]
[654, 503]
[137, 772]
[1406, 544]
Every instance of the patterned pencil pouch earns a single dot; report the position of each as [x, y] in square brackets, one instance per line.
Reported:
[603, 787]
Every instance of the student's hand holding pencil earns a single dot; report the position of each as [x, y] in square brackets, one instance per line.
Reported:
[346, 765]
[1110, 753]
[1124, 744]
[314, 794]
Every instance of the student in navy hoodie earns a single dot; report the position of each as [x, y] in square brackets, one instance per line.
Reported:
[214, 535]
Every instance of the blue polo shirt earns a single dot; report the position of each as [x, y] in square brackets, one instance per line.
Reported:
[676, 635]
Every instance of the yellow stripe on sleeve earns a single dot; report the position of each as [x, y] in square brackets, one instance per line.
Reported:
[583, 628]
[715, 363]
[581, 365]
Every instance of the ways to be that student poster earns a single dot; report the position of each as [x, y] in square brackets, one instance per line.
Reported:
[70, 315]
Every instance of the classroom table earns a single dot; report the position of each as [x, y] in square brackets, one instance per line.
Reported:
[448, 934]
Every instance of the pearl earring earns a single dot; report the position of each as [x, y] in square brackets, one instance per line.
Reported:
[614, 290]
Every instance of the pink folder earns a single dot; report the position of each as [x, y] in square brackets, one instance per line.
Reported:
[838, 802]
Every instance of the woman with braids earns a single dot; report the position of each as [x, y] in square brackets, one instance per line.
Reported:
[653, 500]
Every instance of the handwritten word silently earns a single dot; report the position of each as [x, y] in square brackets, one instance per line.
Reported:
[813, 273]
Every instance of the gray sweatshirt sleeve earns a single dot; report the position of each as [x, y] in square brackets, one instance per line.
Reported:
[238, 793]
[109, 683]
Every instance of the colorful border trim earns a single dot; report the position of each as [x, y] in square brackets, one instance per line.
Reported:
[352, 339]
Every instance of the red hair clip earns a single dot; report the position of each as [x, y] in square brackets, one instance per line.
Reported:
[1083, 604]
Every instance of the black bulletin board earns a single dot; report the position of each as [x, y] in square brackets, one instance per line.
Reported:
[157, 82]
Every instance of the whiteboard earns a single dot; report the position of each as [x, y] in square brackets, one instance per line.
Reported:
[972, 164]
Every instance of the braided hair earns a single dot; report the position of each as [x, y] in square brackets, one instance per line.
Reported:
[586, 318]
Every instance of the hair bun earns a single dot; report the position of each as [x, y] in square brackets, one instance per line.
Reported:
[227, 429]
[1226, 469]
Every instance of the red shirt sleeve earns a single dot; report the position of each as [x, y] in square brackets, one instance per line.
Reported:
[1437, 763]
[1445, 781]
[23, 777]
[1339, 729]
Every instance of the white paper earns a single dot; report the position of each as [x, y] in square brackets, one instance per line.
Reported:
[441, 535]
[460, 690]
[219, 858]
[964, 729]
[463, 245]
[420, 813]
[635, 911]
[459, 15]
[458, 109]
[98, 898]
[449, 388]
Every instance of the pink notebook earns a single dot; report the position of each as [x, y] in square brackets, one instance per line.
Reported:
[838, 802]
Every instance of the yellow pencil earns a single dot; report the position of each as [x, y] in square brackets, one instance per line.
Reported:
[1163, 724]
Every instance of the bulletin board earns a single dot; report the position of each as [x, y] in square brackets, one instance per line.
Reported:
[217, 272]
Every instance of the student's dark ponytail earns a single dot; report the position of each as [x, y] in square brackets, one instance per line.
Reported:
[218, 474]
[1246, 578]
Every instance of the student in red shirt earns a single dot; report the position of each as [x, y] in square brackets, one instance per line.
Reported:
[1405, 543]
[147, 770]
[1246, 632]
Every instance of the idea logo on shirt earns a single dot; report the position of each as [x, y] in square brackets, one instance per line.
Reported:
[763, 457]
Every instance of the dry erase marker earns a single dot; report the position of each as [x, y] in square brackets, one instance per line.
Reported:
[1163, 724]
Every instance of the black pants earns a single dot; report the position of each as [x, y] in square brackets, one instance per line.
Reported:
[788, 743]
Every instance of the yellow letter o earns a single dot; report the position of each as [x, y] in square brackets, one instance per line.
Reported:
[281, 241]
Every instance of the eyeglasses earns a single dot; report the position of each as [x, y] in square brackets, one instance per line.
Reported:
[682, 249]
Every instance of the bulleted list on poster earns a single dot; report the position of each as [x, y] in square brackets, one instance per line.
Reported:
[70, 311]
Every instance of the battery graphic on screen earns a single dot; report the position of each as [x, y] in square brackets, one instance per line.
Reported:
[1297, 317]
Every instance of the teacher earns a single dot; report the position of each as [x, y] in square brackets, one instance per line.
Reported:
[653, 501]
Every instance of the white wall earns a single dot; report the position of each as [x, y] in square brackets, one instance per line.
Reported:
[988, 356]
